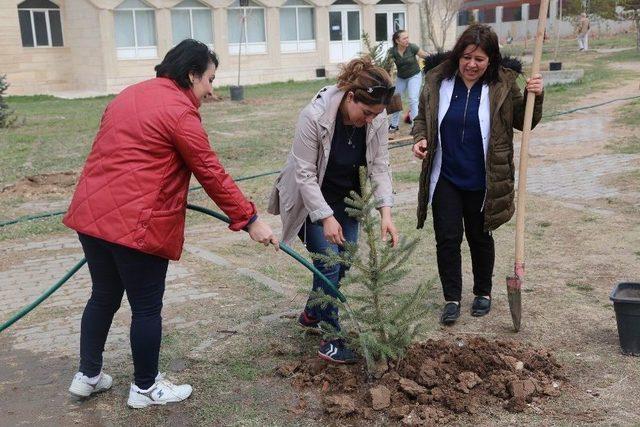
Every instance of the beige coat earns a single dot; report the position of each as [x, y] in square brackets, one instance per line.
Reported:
[296, 193]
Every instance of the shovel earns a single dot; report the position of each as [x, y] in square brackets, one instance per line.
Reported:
[514, 283]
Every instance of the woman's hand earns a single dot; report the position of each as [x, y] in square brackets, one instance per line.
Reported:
[387, 227]
[535, 84]
[333, 231]
[262, 233]
[420, 149]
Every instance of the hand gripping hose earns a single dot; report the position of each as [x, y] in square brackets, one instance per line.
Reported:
[334, 291]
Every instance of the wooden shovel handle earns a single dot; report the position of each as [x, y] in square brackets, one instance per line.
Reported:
[526, 132]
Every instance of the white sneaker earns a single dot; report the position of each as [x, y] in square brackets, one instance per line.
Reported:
[83, 386]
[161, 392]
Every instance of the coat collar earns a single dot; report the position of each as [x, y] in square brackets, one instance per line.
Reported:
[497, 92]
[187, 92]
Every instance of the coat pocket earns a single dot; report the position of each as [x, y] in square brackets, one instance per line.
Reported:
[165, 229]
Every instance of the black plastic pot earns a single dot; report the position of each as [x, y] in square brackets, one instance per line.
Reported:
[321, 72]
[237, 93]
[555, 66]
[626, 302]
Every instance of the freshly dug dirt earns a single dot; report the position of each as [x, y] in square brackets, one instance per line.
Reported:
[49, 183]
[436, 381]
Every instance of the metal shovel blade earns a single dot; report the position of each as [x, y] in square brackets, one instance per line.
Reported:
[514, 288]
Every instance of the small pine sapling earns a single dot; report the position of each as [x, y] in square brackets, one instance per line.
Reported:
[386, 320]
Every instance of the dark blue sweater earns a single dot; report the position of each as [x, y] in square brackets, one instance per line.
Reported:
[462, 153]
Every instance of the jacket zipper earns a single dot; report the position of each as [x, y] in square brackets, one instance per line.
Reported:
[464, 118]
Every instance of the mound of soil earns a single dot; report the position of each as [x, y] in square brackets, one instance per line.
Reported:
[435, 381]
[48, 183]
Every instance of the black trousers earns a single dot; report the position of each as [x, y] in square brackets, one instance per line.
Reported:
[115, 269]
[456, 211]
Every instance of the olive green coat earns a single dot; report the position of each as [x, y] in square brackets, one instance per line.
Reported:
[507, 105]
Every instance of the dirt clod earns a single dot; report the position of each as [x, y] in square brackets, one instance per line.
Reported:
[287, 369]
[411, 388]
[522, 389]
[339, 404]
[380, 397]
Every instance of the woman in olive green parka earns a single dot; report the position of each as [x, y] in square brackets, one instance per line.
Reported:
[463, 133]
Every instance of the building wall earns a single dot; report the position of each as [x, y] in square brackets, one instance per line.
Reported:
[86, 47]
[88, 61]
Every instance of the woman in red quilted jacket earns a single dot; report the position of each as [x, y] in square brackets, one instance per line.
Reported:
[129, 211]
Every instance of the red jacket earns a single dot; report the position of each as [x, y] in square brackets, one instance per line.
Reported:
[133, 189]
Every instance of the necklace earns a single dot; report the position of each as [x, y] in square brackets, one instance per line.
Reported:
[350, 136]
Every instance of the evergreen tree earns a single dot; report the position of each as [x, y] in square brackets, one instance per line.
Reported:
[378, 54]
[7, 117]
[386, 322]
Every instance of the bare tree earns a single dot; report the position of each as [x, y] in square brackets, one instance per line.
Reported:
[436, 17]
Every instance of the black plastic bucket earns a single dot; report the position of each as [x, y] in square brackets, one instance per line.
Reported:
[555, 66]
[237, 93]
[626, 302]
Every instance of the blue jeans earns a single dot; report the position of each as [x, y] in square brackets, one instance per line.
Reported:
[412, 88]
[115, 269]
[312, 235]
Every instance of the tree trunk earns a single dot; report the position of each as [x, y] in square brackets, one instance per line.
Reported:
[424, 24]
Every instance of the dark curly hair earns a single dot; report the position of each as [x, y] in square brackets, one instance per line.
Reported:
[187, 56]
[481, 36]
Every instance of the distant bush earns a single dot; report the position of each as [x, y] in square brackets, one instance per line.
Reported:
[7, 116]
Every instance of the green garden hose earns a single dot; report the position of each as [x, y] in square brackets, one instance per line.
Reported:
[286, 248]
[43, 297]
[197, 208]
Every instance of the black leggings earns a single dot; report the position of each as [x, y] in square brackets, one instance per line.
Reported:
[115, 269]
[451, 208]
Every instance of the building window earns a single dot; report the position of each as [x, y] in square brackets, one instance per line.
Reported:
[246, 27]
[297, 27]
[40, 23]
[510, 14]
[135, 27]
[487, 16]
[465, 17]
[192, 20]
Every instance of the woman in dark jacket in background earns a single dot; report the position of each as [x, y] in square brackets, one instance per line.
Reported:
[463, 133]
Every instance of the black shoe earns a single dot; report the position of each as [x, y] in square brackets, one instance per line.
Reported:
[393, 129]
[450, 313]
[335, 351]
[480, 306]
[308, 322]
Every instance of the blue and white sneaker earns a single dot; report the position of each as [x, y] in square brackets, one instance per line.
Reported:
[336, 351]
[83, 386]
[161, 392]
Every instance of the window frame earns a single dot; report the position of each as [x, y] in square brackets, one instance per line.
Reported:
[46, 11]
[123, 53]
[191, 9]
[259, 48]
[300, 46]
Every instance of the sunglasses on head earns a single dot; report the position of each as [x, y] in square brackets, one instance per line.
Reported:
[380, 92]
